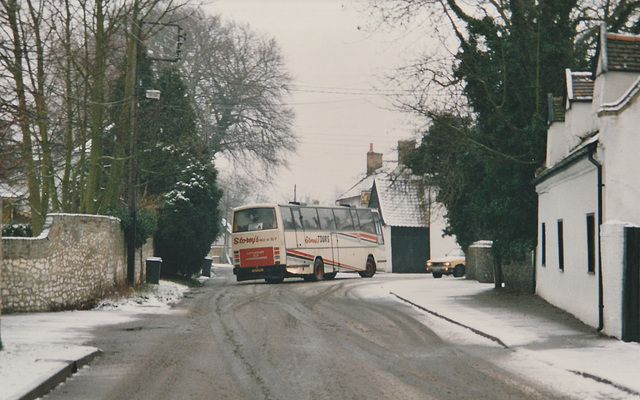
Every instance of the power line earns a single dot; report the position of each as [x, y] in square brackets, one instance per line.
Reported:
[346, 91]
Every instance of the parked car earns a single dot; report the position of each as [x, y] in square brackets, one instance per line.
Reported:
[453, 263]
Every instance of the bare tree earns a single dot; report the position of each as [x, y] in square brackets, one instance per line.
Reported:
[61, 60]
[40, 36]
[14, 60]
[239, 85]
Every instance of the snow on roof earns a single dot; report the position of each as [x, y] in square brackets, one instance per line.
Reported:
[402, 201]
[11, 192]
[364, 184]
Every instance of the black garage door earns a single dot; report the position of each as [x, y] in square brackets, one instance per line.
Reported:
[409, 249]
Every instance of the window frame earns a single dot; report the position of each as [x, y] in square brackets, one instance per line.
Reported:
[591, 243]
[543, 245]
[561, 245]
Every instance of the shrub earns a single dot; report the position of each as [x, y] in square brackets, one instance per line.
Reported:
[146, 222]
[188, 222]
[17, 230]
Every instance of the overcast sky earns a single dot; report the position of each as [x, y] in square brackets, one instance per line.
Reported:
[335, 63]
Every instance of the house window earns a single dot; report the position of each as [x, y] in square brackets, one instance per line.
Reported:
[591, 243]
[543, 244]
[560, 245]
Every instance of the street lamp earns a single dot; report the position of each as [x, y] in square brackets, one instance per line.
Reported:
[152, 94]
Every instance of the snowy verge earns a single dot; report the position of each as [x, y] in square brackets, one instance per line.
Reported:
[162, 296]
[38, 346]
[549, 352]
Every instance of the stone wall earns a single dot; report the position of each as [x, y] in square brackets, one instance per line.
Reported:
[516, 275]
[479, 262]
[75, 260]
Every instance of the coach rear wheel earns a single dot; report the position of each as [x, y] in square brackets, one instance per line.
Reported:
[318, 271]
[369, 270]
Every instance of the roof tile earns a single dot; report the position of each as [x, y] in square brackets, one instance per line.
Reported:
[402, 202]
[582, 86]
[623, 52]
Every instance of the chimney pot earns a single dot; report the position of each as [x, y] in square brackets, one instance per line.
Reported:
[374, 160]
[405, 147]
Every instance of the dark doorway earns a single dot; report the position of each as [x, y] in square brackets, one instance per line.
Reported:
[409, 249]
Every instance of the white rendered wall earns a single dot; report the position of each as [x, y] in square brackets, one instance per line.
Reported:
[580, 122]
[621, 146]
[439, 245]
[386, 231]
[620, 140]
[557, 147]
[609, 87]
[612, 276]
[568, 196]
[564, 137]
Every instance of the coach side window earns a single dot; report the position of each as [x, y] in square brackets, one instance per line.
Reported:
[378, 225]
[287, 219]
[327, 223]
[343, 219]
[354, 217]
[310, 219]
[297, 219]
[366, 221]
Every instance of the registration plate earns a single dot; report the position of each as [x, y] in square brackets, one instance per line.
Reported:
[257, 270]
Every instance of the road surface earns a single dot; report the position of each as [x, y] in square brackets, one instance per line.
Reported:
[295, 340]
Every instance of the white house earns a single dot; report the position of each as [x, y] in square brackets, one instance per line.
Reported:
[587, 258]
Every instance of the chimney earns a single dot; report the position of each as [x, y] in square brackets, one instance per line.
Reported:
[405, 147]
[374, 160]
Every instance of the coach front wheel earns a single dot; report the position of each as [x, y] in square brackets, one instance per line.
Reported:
[369, 270]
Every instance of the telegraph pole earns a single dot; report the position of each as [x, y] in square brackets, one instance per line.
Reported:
[133, 54]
